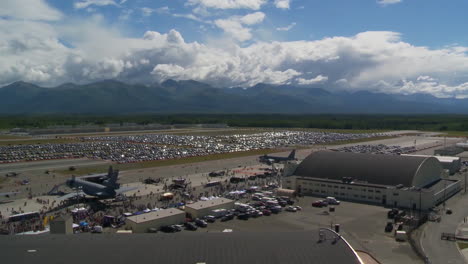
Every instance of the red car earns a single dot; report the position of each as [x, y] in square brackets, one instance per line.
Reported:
[319, 203]
[266, 212]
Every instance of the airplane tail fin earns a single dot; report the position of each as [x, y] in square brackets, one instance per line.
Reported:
[292, 155]
[113, 176]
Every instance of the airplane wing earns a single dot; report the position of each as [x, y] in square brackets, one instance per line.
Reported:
[125, 189]
[71, 195]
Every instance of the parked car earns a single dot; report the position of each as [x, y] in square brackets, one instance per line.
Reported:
[266, 212]
[319, 203]
[178, 228]
[275, 209]
[332, 201]
[298, 208]
[209, 218]
[190, 226]
[389, 227]
[257, 213]
[243, 217]
[283, 203]
[227, 217]
[167, 229]
[200, 223]
[291, 209]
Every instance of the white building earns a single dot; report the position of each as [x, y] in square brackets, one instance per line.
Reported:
[388, 180]
[156, 219]
[203, 208]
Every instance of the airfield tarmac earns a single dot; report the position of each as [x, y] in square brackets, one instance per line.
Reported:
[364, 230]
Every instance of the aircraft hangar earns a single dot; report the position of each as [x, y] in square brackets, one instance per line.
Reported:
[416, 183]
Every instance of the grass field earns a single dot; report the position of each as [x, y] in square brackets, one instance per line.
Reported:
[358, 140]
[158, 163]
[462, 245]
[3, 179]
[6, 137]
[455, 134]
[38, 141]
[214, 132]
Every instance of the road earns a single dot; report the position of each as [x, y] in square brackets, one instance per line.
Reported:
[442, 251]
[50, 164]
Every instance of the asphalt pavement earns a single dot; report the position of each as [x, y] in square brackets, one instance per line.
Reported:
[443, 251]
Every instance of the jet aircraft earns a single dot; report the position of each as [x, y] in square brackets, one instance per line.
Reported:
[274, 159]
[109, 188]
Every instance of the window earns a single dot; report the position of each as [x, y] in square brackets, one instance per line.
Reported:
[342, 187]
[322, 191]
[336, 187]
[395, 194]
[323, 185]
[342, 194]
[349, 188]
[377, 191]
[363, 196]
[370, 190]
[369, 197]
[336, 193]
[356, 195]
[329, 186]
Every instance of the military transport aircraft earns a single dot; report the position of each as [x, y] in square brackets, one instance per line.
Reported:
[108, 188]
[274, 159]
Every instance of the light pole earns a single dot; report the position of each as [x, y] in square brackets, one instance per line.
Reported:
[464, 174]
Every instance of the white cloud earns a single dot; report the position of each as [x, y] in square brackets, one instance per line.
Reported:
[188, 16]
[234, 26]
[162, 10]
[146, 11]
[253, 18]
[317, 79]
[283, 4]
[286, 28]
[83, 51]
[388, 2]
[86, 3]
[229, 4]
[29, 9]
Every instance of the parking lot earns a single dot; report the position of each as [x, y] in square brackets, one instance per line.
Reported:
[363, 230]
[148, 147]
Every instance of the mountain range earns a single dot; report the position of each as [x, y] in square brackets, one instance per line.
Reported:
[114, 97]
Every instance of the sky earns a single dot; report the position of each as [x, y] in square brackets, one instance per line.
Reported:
[390, 46]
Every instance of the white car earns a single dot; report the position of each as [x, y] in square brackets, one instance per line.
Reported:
[291, 209]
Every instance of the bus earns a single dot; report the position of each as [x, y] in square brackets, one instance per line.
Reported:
[24, 216]
[213, 183]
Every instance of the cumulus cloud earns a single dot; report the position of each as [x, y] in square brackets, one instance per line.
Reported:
[317, 79]
[229, 4]
[85, 51]
[87, 3]
[388, 2]
[286, 28]
[283, 4]
[29, 9]
[234, 26]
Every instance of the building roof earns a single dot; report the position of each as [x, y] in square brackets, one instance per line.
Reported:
[447, 159]
[184, 247]
[154, 215]
[209, 203]
[379, 169]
